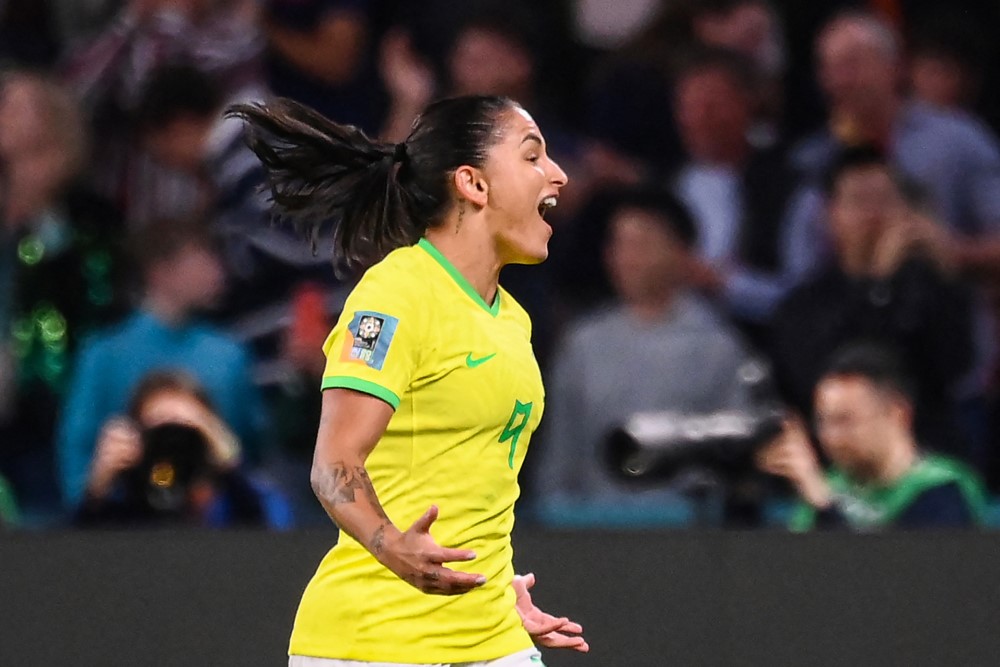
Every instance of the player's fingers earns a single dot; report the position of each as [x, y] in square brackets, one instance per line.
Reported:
[571, 627]
[446, 555]
[449, 582]
[529, 580]
[547, 624]
[423, 524]
[558, 640]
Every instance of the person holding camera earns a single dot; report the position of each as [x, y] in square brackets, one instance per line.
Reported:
[658, 347]
[890, 279]
[880, 477]
[171, 459]
[182, 278]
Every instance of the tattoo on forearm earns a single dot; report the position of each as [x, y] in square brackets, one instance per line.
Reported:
[341, 484]
[378, 540]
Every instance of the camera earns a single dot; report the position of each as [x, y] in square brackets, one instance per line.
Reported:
[174, 457]
[656, 446]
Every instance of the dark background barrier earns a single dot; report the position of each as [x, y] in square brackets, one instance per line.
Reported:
[645, 599]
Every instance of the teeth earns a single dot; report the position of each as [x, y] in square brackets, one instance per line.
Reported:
[550, 202]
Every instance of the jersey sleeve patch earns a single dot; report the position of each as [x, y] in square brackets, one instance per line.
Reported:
[368, 338]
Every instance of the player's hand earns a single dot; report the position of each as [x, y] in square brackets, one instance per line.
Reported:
[548, 630]
[417, 559]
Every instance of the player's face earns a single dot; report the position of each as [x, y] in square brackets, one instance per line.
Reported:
[523, 183]
[854, 422]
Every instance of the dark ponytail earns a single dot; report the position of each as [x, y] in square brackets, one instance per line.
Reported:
[379, 196]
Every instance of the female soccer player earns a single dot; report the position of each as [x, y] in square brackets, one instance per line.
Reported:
[432, 391]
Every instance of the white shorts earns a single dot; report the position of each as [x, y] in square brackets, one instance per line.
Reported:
[526, 658]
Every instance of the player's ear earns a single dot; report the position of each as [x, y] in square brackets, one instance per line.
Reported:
[471, 185]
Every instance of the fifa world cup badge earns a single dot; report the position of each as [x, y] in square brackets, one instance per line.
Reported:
[370, 335]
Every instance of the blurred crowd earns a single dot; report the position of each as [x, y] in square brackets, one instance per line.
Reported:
[765, 196]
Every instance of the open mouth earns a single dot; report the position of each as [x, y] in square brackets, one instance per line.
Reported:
[546, 204]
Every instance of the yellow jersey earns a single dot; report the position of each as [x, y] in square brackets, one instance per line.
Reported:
[467, 394]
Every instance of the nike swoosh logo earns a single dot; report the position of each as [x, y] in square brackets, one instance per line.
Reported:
[472, 363]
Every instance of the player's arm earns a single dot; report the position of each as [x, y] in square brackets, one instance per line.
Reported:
[351, 424]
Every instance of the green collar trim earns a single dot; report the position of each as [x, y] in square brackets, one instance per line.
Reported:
[459, 278]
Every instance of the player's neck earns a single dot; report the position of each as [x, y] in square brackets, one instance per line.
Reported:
[473, 255]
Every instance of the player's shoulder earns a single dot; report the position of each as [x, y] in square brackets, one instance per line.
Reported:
[401, 276]
[399, 268]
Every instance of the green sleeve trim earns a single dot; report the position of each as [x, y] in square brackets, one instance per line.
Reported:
[364, 386]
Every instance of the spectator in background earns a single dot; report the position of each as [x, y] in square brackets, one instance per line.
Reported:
[881, 477]
[182, 276]
[752, 29]
[637, 81]
[492, 49]
[888, 280]
[180, 119]
[320, 54]
[951, 156]
[757, 234]
[171, 460]
[658, 347]
[60, 272]
[110, 71]
[945, 64]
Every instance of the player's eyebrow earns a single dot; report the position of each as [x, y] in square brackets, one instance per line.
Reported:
[531, 136]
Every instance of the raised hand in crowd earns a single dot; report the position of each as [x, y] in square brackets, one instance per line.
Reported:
[408, 79]
[792, 456]
[909, 235]
[119, 448]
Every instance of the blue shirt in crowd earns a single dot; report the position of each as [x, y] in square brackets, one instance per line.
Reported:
[112, 364]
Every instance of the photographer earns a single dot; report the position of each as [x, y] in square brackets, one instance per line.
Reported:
[880, 477]
[658, 347]
[889, 279]
[172, 459]
[182, 278]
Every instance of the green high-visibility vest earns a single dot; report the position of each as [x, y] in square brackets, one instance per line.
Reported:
[8, 508]
[867, 506]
